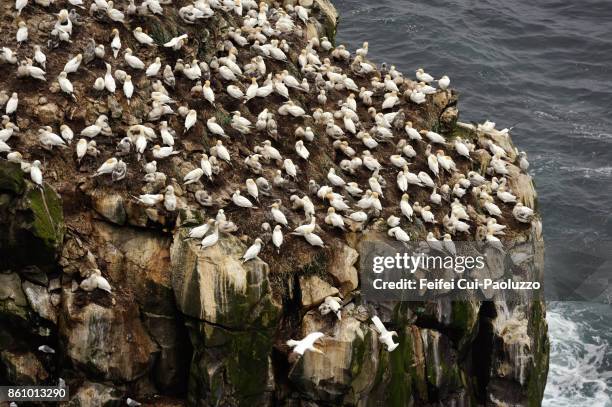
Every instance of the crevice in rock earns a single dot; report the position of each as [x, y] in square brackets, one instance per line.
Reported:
[290, 321]
[482, 349]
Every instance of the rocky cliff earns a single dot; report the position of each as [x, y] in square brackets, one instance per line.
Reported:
[190, 326]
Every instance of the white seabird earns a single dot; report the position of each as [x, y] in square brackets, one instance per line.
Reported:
[305, 344]
[277, 237]
[385, 336]
[253, 251]
[331, 304]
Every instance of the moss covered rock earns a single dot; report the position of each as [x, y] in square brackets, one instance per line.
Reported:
[31, 221]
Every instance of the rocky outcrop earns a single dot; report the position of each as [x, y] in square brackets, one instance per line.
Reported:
[185, 325]
[232, 317]
[31, 221]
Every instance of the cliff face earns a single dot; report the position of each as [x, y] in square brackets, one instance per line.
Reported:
[185, 325]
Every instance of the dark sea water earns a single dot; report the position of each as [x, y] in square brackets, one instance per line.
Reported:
[544, 67]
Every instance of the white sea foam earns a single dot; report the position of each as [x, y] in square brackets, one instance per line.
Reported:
[578, 375]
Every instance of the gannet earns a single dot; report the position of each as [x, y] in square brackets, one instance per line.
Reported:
[22, 32]
[36, 173]
[208, 93]
[462, 149]
[177, 43]
[220, 151]
[252, 189]
[168, 76]
[333, 305]
[505, 196]
[4, 148]
[494, 242]
[81, 149]
[199, 232]
[434, 243]
[115, 42]
[73, 64]
[39, 56]
[153, 69]
[523, 163]
[334, 219]
[314, 240]
[522, 213]
[305, 344]
[432, 161]
[491, 208]
[308, 228]
[446, 162]
[48, 139]
[278, 215]
[142, 37]
[132, 403]
[211, 239]
[353, 189]
[190, 120]
[427, 215]
[335, 179]
[433, 137]
[417, 97]
[193, 176]
[495, 149]
[20, 5]
[109, 81]
[301, 150]
[11, 104]
[170, 199]
[444, 82]
[107, 167]
[241, 201]
[290, 168]
[405, 207]
[399, 234]
[370, 162]
[114, 14]
[422, 76]
[358, 216]
[66, 133]
[277, 237]
[337, 202]
[252, 251]
[499, 165]
[16, 157]
[99, 84]
[27, 69]
[7, 132]
[132, 60]
[495, 228]
[150, 199]
[476, 179]
[385, 336]
[46, 349]
[458, 191]
[375, 186]
[206, 166]
[95, 280]
[426, 179]
[449, 245]
[65, 84]
[393, 221]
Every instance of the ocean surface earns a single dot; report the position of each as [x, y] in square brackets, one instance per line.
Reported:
[543, 67]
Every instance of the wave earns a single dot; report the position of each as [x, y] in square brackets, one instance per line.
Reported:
[579, 372]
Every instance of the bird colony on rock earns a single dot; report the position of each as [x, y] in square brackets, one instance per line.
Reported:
[335, 98]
